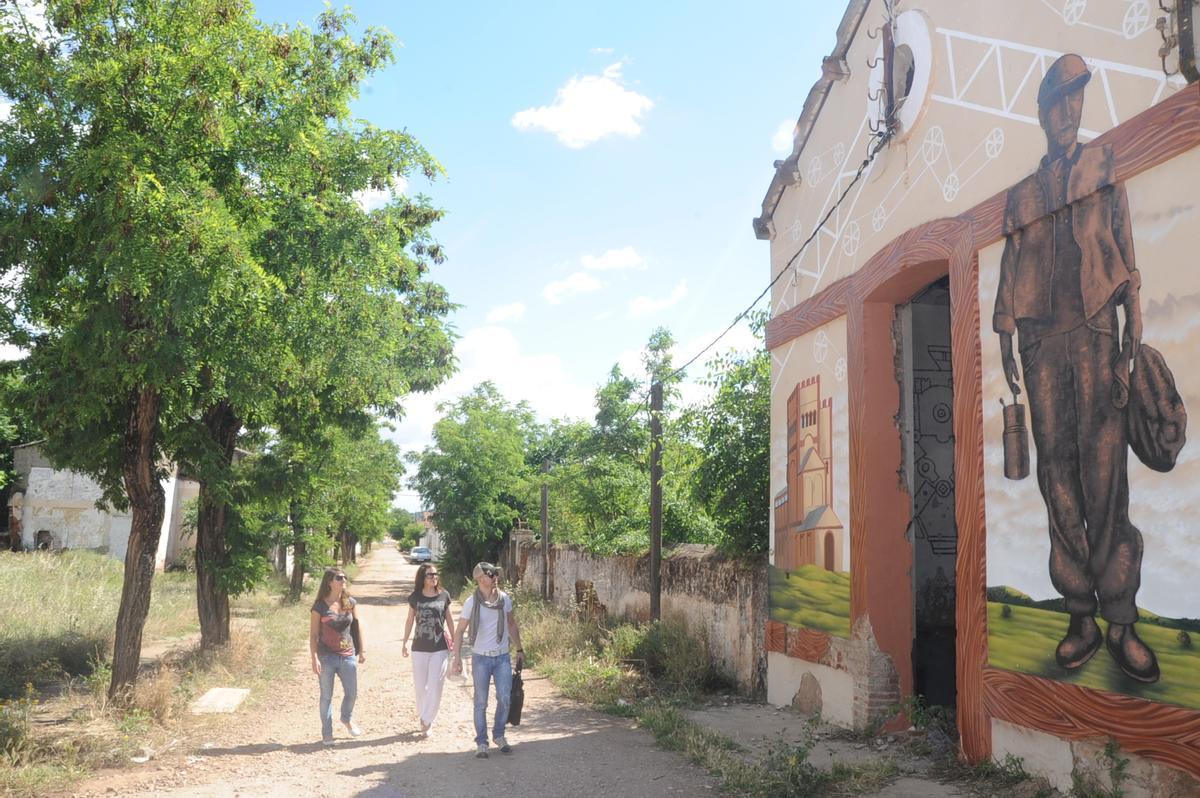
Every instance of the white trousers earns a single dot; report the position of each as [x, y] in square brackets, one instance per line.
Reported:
[429, 674]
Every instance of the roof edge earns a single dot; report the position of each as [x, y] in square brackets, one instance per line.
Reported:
[833, 69]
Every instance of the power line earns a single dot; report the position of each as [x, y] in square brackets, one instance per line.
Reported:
[880, 140]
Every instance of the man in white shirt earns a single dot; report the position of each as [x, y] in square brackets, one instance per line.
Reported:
[492, 624]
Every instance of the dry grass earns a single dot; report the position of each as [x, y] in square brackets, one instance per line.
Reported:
[60, 611]
[63, 649]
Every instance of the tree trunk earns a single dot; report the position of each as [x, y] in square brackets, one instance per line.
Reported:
[212, 533]
[298, 555]
[281, 559]
[147, 504]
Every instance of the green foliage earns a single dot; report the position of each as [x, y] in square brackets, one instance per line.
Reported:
[475, 475]
[732, 482]
[177, 203]
[404, 529]
[333, 482]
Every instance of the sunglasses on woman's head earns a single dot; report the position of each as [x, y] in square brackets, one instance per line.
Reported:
[489, 574]
[339, 577]
[435, 575]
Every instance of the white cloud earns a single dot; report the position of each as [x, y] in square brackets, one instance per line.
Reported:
[601, 51]
[511, 312]
[575, 284]
[370, 199]
[587, 109]
[614, 260]
[644, 305]
[782, 141]
[5, 110]
[494, 353]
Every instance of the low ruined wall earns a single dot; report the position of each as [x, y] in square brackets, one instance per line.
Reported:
[725, 598]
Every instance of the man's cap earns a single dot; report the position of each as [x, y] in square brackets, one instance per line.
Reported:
[1065, 75]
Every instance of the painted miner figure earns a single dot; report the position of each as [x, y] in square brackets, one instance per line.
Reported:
[1067, 269]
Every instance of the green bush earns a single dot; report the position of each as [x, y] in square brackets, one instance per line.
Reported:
[676, 657]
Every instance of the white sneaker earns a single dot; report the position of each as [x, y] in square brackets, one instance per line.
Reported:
[481, 751]
[353, 728]
[503, 745]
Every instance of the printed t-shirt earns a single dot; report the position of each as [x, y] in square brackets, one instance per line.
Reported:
[429, 632]
[334, 634]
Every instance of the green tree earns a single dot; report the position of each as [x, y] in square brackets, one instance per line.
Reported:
[475, 475]
[404, 529]
[154, 157]
[733, 429]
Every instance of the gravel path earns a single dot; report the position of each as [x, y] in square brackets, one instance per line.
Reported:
[272, 751]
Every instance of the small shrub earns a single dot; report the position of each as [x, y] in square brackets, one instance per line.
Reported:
[14, 724]
[626, 640]
[677, 658]
[1185, 639]
[1006, 611]
[154, 695]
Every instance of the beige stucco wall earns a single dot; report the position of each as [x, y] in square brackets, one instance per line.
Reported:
[64, 504]
[724, 599]
[977, 134]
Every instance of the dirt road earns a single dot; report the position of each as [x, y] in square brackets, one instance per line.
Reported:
[560, 748]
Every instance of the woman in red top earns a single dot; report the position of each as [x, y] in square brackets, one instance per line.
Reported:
[331, 643]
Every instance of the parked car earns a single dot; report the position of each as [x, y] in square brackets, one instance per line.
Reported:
[419, 554]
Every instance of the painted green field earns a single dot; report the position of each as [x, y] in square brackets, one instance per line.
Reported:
[1026, 641]
[812, 597]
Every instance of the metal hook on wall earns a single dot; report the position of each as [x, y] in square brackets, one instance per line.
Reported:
[874, 96]
[873, 62]
[873, 33]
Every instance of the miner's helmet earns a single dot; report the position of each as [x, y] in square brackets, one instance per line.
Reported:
[1065, 75]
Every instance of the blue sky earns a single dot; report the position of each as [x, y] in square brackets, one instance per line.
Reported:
[604, 162]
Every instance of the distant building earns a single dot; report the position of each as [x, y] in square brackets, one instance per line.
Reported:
[430, 537]
[57, 510]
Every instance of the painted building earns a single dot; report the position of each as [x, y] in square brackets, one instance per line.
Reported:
[57, 510]
[984, 305]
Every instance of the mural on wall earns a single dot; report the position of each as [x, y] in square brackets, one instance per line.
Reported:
[809, 574]
[1068, 305]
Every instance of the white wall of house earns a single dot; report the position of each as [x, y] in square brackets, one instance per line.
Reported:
[63, 503]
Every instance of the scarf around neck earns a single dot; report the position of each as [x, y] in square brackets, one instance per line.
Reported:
[477, 608]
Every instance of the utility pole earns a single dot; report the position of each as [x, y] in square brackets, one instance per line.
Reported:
[545, 532]
[656, 404]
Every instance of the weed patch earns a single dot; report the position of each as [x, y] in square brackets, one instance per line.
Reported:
[93, 732]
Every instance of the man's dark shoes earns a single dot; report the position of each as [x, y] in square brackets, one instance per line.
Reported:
[1081, 642]
[1135, 659]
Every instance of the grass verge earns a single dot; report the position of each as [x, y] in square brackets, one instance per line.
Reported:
[651, 671]
[58, 727]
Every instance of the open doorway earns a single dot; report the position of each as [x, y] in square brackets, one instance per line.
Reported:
[927, 401]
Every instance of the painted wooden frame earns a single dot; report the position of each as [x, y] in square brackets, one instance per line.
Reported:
[879, 550]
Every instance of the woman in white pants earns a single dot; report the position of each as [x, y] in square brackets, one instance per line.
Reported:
[429, 609]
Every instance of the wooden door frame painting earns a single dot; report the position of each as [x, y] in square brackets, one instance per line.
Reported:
[1161, 732]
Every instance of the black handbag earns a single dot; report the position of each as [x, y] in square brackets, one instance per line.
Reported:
[1156, 420]
[517, 699]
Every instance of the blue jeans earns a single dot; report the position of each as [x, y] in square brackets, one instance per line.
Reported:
[346, 669]
[483, 670]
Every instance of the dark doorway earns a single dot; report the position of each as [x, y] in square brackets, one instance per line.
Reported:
[927, 402]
